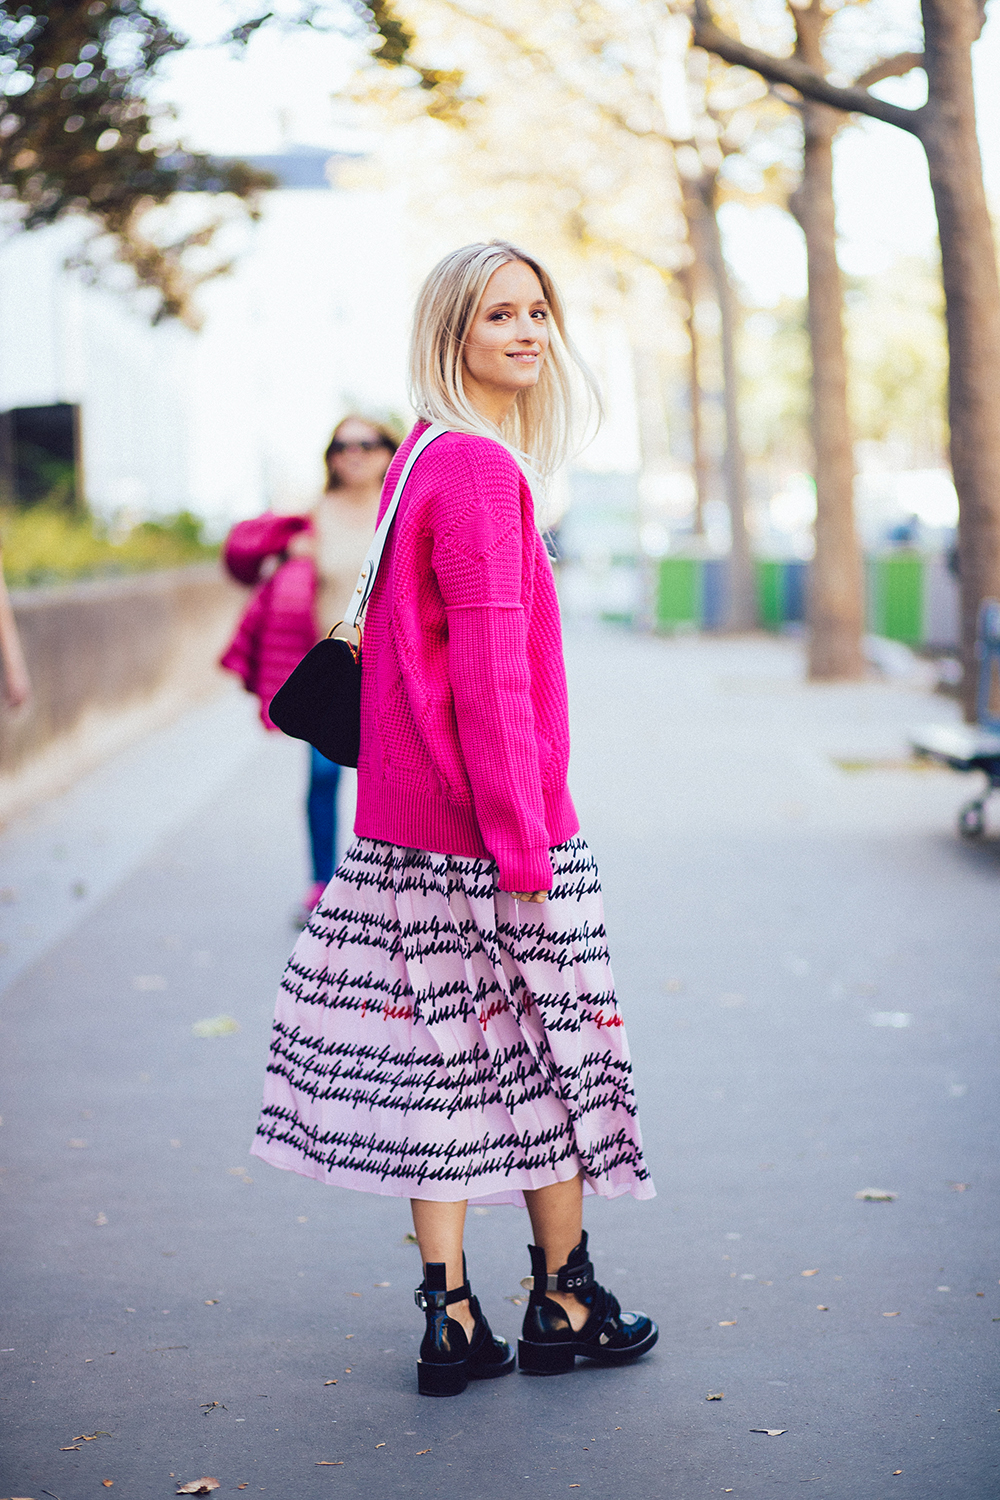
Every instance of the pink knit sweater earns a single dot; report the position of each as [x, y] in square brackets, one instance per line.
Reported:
[464, 719]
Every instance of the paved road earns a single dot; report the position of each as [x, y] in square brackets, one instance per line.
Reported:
[809, 965]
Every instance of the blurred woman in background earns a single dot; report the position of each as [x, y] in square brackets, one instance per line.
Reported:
[309, 563]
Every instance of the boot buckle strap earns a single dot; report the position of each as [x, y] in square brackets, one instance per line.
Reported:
[441, 1300]
[566, 1279]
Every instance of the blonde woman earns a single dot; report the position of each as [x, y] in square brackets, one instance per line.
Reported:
[447, 1028]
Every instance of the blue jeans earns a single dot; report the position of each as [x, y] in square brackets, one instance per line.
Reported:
[321, 813]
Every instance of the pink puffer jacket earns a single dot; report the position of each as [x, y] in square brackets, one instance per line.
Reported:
[279, 626]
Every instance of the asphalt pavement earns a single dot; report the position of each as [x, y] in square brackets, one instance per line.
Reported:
[808, 962]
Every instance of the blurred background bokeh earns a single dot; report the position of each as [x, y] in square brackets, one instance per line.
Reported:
[215, 220]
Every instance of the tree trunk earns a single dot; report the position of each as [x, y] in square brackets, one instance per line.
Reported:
[741, 605]
[836, 598]
[972, 305]
[688, 280]
[946, 126]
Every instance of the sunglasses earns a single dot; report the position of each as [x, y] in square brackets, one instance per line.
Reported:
[370, 446]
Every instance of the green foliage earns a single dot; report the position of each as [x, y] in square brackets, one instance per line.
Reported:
[48, 544]
[75, 128]
[897, 366]
[775, 385]
[899, 359]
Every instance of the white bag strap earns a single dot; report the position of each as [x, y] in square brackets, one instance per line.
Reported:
[370, 566]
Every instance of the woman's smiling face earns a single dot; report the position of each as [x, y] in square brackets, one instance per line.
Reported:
[507, 341]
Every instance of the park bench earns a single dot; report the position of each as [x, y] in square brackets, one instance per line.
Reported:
[972, 747]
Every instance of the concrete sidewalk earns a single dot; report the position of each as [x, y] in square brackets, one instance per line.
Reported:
[809, 968]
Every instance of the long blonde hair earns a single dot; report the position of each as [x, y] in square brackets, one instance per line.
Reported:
[540, 425]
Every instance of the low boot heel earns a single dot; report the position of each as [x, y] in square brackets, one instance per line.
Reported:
[449, 1359]
[544, 1359]
[441, 1380]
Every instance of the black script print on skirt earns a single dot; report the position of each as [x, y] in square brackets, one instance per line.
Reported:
[436, 1039]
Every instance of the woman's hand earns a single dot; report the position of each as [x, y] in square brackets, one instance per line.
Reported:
[536, 896]
[302, 544]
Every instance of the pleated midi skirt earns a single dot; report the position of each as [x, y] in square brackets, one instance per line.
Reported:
[433, 1038]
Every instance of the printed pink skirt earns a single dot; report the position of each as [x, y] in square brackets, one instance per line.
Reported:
[435, 1039]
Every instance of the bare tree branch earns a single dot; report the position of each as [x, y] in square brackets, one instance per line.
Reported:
[789, 70]
[889, 67]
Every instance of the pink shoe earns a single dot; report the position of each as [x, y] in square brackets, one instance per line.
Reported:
[310, 901]
[313, 895]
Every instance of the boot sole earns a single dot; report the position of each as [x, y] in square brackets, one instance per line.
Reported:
[559, 1359]
[442, 1380]
[493, 1372]
[452, 1379]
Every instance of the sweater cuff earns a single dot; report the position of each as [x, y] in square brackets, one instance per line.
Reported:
[524, 870]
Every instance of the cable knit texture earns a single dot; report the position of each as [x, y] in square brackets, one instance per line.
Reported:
[464, 716]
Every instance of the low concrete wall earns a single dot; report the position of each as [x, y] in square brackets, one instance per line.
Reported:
[109, 661]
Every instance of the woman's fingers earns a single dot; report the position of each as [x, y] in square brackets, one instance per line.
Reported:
[536, 896]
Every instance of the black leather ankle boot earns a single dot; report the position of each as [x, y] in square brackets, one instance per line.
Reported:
[448, 1358]
[548, 1344]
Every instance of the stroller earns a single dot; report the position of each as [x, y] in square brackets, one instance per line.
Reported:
[972, 747]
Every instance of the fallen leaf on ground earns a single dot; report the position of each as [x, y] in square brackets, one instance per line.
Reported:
[83, 1438]
[380, 1445]
[381, 1283]
[348, 1335]
[74, 1448]
[714, 1396]
[770, 1431]
[242, 1486]
[329, 1382]
[876, 1195]
[409, 1239]
[347, 1370]
[422, 1451]
[216, 1026]
[198, 1487]
[329, 1463]
[729, 1323]
[890, 1315]
[211, 1301]
[897, 1471]
[107, 1483]
[811, 1273]
[821, 1307]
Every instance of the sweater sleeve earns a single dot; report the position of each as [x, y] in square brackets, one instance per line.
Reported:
[477, 556]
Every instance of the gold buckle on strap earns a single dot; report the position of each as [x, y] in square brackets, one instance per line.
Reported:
[355, 650]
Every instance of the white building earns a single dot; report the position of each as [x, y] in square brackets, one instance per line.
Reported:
[311, 322]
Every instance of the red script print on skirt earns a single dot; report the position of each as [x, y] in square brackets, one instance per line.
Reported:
[433, 1039]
